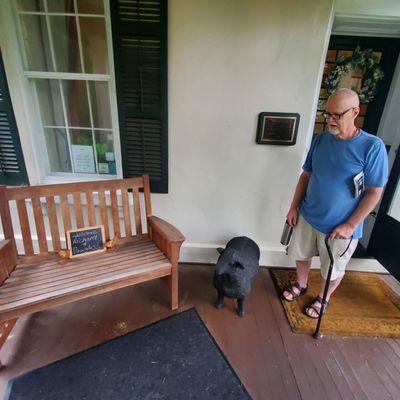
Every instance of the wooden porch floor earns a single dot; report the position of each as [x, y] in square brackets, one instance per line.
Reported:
[272, 362]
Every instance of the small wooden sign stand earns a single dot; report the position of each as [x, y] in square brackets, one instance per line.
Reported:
[84, 241]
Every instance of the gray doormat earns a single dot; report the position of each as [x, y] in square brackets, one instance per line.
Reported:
[175, 358]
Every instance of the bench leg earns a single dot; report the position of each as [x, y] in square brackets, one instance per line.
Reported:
[5, 329]
[173, 280]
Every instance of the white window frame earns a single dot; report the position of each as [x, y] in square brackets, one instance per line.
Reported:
[38, 145]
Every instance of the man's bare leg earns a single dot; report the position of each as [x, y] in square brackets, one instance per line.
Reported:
[302, 270]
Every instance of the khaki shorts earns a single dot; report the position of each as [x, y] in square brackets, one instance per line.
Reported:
[307, 242]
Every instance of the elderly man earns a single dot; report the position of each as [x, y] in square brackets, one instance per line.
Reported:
[342, 181]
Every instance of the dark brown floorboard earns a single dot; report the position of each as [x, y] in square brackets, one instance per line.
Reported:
[271, 361]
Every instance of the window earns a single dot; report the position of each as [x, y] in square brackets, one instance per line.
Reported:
[64, 45]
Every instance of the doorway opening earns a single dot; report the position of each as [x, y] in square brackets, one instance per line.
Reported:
[386, 52]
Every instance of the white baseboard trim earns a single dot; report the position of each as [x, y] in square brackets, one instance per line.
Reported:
[271, 256]
[206, 253]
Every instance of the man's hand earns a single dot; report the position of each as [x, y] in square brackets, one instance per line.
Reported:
[301, 188]
[343, 231]
[292, 216]
[368, 202]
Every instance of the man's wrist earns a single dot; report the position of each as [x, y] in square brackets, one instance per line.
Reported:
[352, 224]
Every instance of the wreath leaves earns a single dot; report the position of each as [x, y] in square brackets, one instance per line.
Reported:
[369, 65]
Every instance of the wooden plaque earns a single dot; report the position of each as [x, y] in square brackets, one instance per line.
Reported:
[85, 241]
[277, 128]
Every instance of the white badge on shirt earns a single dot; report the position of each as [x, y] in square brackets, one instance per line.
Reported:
[358, 184]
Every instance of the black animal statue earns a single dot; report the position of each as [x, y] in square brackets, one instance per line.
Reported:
[237, 265]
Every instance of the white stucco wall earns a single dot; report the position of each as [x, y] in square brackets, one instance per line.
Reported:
[387, 8]
[229, 60]
[389, 131]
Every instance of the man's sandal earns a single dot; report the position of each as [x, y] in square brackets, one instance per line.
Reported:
[295, 295]
[316, 308]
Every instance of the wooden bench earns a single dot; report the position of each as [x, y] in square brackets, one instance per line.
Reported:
[147, 247]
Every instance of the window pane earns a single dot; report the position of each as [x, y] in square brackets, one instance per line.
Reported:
[57, 150]
[30, 5]
[105, 152]
[61, 6]
[90, 6]
[94, 43]
[76, 102]
[100, 100]
[82, 151]
[35, 40]
[50, 105]
[65, 41]
[81, 137]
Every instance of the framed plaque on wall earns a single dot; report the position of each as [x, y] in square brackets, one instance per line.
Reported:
[277, 128]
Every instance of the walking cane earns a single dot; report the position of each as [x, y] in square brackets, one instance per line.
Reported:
[316, 334]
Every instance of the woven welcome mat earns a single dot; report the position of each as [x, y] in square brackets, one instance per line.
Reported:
[173, 359]
[362, 305]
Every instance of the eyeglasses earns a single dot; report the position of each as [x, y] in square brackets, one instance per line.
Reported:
[336, 116]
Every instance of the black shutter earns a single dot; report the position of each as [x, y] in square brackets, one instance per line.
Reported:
[12, 166]
[140, 56]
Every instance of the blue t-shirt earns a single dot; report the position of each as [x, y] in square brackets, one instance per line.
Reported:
[333, 163]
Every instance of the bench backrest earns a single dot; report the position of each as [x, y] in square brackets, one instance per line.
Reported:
[57, 208]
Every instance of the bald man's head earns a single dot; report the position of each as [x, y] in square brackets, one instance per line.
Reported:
[345, 96]
[342, 107]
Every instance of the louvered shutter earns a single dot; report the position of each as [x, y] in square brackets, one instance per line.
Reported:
[140, 57]
[12, 166]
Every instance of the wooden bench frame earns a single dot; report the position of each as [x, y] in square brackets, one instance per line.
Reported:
[164, 236]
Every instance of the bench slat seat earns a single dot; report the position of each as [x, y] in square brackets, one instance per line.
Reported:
[38, 286]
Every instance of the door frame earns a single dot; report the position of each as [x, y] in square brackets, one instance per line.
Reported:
[380, 242]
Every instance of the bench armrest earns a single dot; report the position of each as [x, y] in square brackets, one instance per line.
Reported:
[8, 258]
[165, 229]
[166, 237]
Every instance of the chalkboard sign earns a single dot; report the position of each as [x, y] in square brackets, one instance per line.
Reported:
[86, 241]
[277, 128]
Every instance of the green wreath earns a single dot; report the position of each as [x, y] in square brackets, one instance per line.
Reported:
[369, 65]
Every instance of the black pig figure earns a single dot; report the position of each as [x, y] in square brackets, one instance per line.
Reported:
[237, 265]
